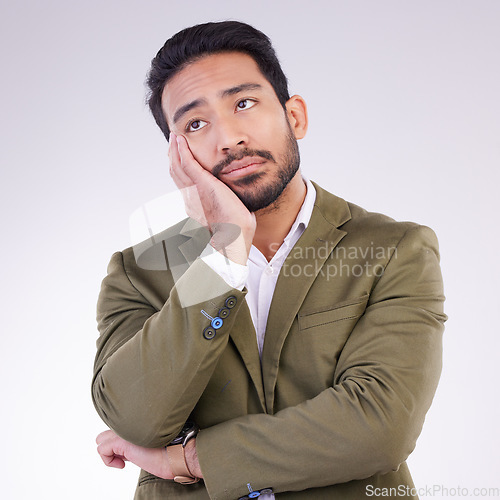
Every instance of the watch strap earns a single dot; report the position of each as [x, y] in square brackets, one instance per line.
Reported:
[177, 459]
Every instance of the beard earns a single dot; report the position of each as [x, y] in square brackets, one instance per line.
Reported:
[254, 194]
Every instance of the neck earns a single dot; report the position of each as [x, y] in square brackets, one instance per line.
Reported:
[274, 222]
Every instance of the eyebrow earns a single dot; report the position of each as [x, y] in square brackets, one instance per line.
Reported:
[188, 107]
[239, 88]
[185, 108]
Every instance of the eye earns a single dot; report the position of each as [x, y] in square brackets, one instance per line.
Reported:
[195, 125]
[245, 104]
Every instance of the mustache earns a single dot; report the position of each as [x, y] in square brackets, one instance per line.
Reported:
[239, 156]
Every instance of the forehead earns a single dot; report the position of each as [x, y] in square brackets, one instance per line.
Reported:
[207, 77]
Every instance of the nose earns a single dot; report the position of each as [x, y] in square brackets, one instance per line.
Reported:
[230, 135]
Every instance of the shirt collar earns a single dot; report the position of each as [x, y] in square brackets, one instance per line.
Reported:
[305, 212]
[298, 227]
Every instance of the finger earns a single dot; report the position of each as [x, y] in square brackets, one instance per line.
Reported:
[177, 174]
[104, 436]
[111, 454]
[117, 463]
[114, 461]
[180, 183]
[188, 163]
[180, 178]
[176, 167]
[173, 153]
[172, 147]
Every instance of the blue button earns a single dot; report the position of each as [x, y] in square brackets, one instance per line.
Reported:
[254, 494]
[217, 323]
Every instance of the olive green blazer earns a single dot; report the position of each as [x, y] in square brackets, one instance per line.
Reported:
[350, 364]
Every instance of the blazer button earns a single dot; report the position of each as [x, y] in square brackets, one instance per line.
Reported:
[224, 312]
[216, 323]
[231, 302]
[209, 333]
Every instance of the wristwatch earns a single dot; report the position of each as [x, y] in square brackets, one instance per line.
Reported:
[176, 454]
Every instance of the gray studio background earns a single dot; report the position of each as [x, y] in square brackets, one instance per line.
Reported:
[404, 110]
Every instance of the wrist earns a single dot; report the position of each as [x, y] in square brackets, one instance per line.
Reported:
[177, 456]
[236, 248]
[192, 459]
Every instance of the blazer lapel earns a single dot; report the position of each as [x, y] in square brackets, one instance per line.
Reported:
[245, 340]
[298, 273]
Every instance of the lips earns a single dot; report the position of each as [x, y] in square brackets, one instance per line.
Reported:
[243, 166]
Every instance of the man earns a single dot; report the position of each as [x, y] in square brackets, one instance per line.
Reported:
[298, 352]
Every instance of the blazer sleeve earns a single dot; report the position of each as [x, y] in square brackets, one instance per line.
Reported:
[153, 365]
[369, 420]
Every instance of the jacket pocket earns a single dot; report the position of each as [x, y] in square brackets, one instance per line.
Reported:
[348, 311]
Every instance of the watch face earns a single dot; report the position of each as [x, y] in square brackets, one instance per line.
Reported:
[177, 440]
[188, 428]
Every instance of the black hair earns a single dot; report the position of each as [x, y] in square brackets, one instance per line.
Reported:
[201, 40]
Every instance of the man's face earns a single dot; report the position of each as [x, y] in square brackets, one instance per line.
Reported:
[235, 125]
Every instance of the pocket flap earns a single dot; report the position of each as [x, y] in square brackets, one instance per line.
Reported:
[350, 309]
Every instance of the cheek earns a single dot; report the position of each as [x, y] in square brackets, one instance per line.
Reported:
[272, 126]
[200, 151]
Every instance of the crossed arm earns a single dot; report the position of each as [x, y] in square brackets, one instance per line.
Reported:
[115, 451]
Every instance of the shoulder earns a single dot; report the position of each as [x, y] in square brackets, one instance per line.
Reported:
[364, 227]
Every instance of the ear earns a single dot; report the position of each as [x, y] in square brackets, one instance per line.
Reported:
[296, 111]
